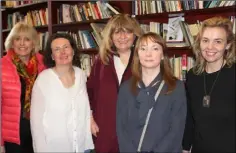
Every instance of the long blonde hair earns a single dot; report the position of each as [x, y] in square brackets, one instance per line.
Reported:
[229, 55]
[165, 67]
[116, 22]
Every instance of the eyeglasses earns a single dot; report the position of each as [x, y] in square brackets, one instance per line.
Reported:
[64, 48]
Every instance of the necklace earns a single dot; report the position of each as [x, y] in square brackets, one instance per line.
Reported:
[207, 98]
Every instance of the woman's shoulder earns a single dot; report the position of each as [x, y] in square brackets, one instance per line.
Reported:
[39, 58]
[180, 84]
[179, 88]
[230, 68]
[79, 73]
[45, 74]
[190, 73]
[5, 59]
[125, 87]
[126, 84]
[78, 70]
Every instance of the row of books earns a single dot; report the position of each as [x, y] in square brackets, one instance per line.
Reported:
[174, 38]
[43, 38]
[83, 38]
[34, 18]
[86, 39]
[190, 31]
[16, 3]
[141, 7]
[233, 20]
[86, 63]
[85, 11]
[178, 33]
[180, 65]
[171, 31]
[97, 31]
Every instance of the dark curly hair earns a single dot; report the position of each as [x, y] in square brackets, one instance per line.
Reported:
[48, 50]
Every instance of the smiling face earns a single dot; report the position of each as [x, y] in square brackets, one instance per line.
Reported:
[23, 45]
[62, 51]
[123, 39]
[213, 44]
[150, 54]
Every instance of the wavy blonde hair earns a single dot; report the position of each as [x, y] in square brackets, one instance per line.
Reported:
[116, 22]
[229, 55]
[22, 27]
[165, 67]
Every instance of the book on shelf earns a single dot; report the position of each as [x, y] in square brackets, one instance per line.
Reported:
[85, 61]
[85, 11]
[185, 34]
[150, 7]
[34, 18]
[112, 8]
[181, 65]
[232, 19]
[16, 3]
[83, 38]
[88, 41]
[162, 30]
[43, 37]
[174, 32]
[97, 30]
[66, 15]
[188, 35]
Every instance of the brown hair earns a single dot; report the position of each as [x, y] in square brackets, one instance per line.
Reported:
[49, 62]
[165, 67]
[229, 55]
[116, 22]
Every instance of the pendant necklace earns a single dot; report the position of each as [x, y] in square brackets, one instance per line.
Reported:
[207, 99]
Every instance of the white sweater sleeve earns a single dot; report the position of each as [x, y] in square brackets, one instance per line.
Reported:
[89, 141]
[36, 119]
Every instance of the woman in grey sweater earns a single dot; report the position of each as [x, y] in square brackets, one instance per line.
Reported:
[138, 100]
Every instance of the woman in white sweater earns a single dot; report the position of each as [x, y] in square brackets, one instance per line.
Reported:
[60, 111]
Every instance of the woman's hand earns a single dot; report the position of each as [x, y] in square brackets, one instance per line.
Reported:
[2, 149]
[94, 127]
[186, 151]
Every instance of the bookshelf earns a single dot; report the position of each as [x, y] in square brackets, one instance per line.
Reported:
[53, 24]
[190, 16]
[144, 11]
[21, 10]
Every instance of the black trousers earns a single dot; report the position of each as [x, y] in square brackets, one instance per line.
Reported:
[25, 139]
[15, 148]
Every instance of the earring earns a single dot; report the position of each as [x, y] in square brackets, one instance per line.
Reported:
[52, 58]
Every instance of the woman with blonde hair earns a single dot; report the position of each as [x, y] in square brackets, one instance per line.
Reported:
[110, 69]
[151, 106]
[210, 125]
[20, 67]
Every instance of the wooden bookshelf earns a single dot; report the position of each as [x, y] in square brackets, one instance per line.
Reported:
[90, 51]
[26, 6]
[74, 26]
[191, 16]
